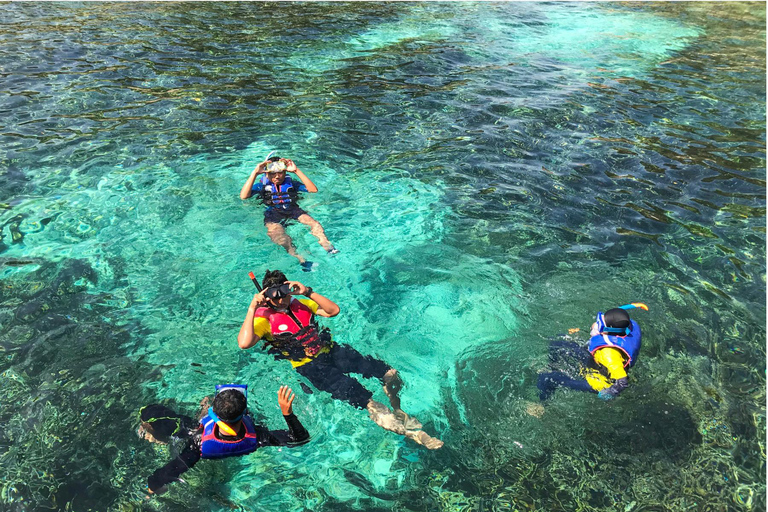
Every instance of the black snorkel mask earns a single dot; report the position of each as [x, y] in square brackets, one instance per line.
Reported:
[273, 292]
[278, 292]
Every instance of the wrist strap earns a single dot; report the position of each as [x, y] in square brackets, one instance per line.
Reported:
[310, 291]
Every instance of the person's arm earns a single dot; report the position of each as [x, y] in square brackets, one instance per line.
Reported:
[613, 360]
[174, 469]
[247, 337]
[326, 307]
[296, 433]
[245, 192]
[291, 167]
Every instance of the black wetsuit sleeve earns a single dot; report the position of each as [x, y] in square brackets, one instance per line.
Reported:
[618, 386]
[295, 435]
[188, 457]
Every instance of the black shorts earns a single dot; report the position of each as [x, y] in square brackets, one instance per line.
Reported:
[281, 215]
[327, 372]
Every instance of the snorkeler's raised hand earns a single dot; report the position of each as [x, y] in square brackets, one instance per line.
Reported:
[261, 168]
[290, 166]
[285, 398]
[259, 300]
[297, 288]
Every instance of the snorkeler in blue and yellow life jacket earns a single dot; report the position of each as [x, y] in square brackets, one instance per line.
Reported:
[613, 347]
[226, 430]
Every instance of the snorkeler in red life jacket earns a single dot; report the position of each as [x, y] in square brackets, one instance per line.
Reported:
[225, 430]
[280, 193]
[290, 331]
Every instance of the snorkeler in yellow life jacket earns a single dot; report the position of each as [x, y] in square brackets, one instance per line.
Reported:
[614, 346]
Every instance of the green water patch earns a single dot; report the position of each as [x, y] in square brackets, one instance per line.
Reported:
[559, 38]
[186, 242]
[666, 442]
[492, 173]
[67, 387]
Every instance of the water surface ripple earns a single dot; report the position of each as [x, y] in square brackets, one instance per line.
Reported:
[493, 173]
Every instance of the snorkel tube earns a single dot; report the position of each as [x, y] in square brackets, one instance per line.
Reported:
[634, 305]
[258, 286]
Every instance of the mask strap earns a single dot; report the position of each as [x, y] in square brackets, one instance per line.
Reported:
[222, 424]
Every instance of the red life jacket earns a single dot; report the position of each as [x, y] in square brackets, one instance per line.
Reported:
[296, 326]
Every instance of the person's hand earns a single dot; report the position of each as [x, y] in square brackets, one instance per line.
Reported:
[285, 398]
[606, 394]
[290, 166]
[262, 167]
[259, 300]
[297, 288]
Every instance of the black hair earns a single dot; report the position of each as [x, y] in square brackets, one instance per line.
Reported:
[229, 404]
[273, 278]
[617, 318]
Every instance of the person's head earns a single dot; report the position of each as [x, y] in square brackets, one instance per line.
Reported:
[272, 283]
[229, 405]
[615, 321]
[276, 167]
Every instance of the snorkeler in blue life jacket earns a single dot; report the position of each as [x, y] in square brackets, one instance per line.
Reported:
[280, 193]
[613, 347]
[224, 430]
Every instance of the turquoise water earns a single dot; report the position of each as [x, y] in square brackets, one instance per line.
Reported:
[492, 173]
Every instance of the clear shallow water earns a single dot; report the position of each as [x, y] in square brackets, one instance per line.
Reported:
[492, 173]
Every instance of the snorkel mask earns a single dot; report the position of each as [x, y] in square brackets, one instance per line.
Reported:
[225, 426]
[621, 331]
[276, 165]
[278, 292]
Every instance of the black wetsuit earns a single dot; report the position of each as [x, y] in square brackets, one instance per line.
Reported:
[166, 424]
[328, 372]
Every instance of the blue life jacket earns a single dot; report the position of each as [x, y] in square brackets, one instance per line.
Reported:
[214, 448]
[629, 344]
[279, 196]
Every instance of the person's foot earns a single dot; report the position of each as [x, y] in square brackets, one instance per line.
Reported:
[384, 418]
[424, 439]
[306, 266]
[534, 409]
[392, 383]
[332, 251]
[410, 422]
[144, 433]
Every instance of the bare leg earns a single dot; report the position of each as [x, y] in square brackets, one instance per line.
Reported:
[278, 235]
[424, 439]
[316, 230]
[392, 385]
[384, 418]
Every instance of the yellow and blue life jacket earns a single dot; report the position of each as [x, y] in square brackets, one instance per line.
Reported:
[628, 343]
